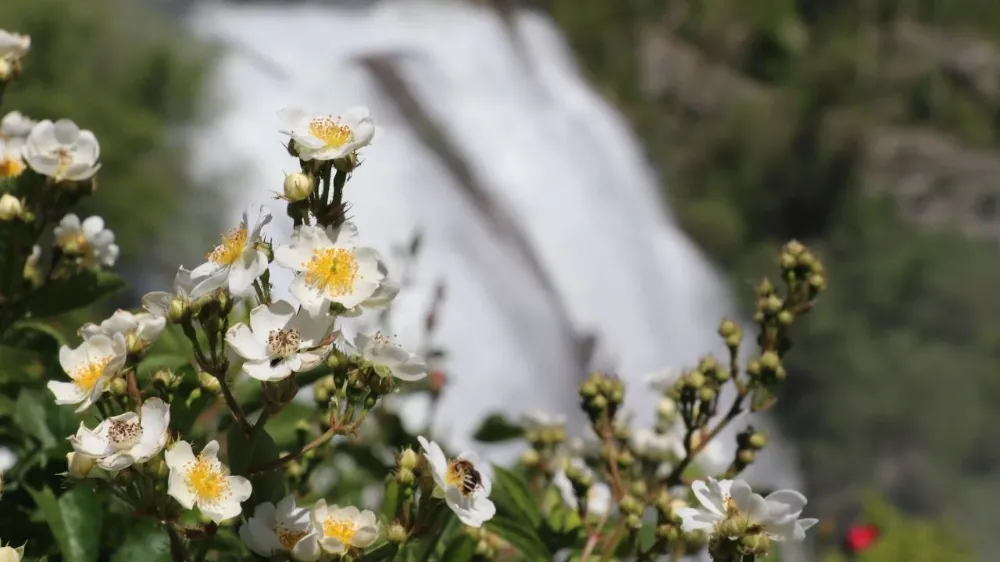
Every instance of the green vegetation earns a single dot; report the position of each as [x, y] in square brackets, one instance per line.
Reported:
[133, 78]
[767, 135]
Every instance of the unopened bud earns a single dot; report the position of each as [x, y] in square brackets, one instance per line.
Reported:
[405, 477]
[667, 409]
[298, 186]
[10, 207]
[771, 305]
[209, 383]
[757, 544]
[757, 440]
[629, 504]
[408, 459]
[707, 394]
[484, 549]
[157, 467]
[589, 389]
[794, 247]
[599, 402]
[817, 282]
[728, 328]
[118, 386]
[294, 469]
[786, 317]
[694, 380]
[753, 368]
[746, 456]
[638, 488]
[633, 521]
[346, 164]
[625, 458]
[765, 289]
[396, 533]
[79, 465]
[788, 261]
[770, 361]
[530, 457]
[178, 310]
[668, 533]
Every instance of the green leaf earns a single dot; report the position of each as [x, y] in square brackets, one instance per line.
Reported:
[249, 452]
[391, 502]
[20, 365]
[75, 520]
[512, 497]
[145, 540]
[37, 414]
[34, 336]
[520, 536]
[63, 295]
[462, 549]
[384, 552]
[496, 428]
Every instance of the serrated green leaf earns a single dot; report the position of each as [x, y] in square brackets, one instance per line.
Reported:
[496, 428]
[249, 452]
[63, 295]
[37, 414]
[512, 497]
[144, 540]
[75, 519]
[521, 536]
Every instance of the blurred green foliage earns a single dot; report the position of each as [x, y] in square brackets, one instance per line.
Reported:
[893, 384]
[134, 78]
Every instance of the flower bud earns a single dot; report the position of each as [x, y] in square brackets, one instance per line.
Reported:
[625, 458]
[209, 383]
[156, 467]
[707, 394]
[294, 469]
[794, 248]
[166, 379]
[629, 504]
[530, 457]
[669, 533]
[9, 553]
[484, 549]
[728, 328]
[694, 380]
[667, 409]
[633, 521]
[772, 304]
[770, 361]
[757, 545]
[599, 402]
[788, 261]
[638, 488]
[765, 289]
[6, 69]
[786, 317]
[817, 282]
[397, 533]
[408, 459]
[405, 477]
[589, 389]
[178, 311]
[79, 465]
[746, 456]
[298, 186]
[753, 368]
[10, 207]
[118, 386]
[346, 164]
[757, 440]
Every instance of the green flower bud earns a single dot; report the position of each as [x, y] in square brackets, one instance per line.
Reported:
[634, 521]
[756, 545]
[531, 457]
[770, 361]
[666, 409]
[409, 459]
[629, 504]
[638, 488]
[298, 186]
[347, 164]
[178, 311]
[817, 282]
[757, 440]
[765, 289]
[793, 248]
[118, 386]
[772, 305]
[589, 389]
[405, 477]
[209, 383]
[746, 456]
[694, 380]
[788, 261]
[753, 368]
[397, 533]
[728, 328]
[599, 402]
[786, 317]
[707, 394]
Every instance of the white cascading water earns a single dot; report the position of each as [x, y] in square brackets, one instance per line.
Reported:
[556, 162]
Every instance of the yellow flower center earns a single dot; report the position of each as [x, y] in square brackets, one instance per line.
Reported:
[206, 479]
[11, 167]
[341, 530]
[87, 376]
[233, 244]
[65, 157]
[330, 131]
[288, 538]
[332, 271]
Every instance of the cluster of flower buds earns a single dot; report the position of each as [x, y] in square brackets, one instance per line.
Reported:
[602, 395]
[799, 265]
[748, 443]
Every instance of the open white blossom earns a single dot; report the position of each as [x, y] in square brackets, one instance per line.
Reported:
[777, 515]
[380, 299]
[330, 267]
[466, 490]
[11, 554]
[11, 162]
[328, 137]
[598, 495]
[158, 302]
[205, 482]
[140, 329]
[16, 127]
[62, 151]
[123, 440]
[237, 262]
[90, 240]
[382, 351]
[13, 45]
[341, 528]
[91, 365]
[274, 529]
[281, 340]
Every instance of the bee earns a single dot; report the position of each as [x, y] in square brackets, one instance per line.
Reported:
[465, 472]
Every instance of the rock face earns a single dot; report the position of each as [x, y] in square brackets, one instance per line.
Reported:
[937, 179]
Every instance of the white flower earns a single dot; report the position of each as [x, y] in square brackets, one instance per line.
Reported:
[341, 528]
[330, 267]
[15, 126]
[328, 137]
[537, 421]
[382, 351]
[121, 441]
[10, 207]
[11, 554]
[140, 329]
[235, 263]
[649, 444]
[598, 495]
[11, 162]
[282, 528]
[777, 515]
[381, 298]
[91, 365]
[662, 381]
[281, 340]
[13, 45]
[205, 482]
[90, 240]
[62, 151]
[466, 490]
[158, 302]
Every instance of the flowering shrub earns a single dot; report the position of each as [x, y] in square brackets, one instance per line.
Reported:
[175, 432]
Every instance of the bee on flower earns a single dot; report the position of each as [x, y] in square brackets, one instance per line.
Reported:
[328, 137]
[343, 528]
[330, 267]
[281, 340]
[237, 262]
[89, 240]
[205, 482]
[274, 529]
[91, 366]
[465, 489]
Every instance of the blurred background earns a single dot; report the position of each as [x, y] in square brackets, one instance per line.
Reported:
[601, 181]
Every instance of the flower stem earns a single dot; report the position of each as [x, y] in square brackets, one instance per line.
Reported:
[674, 478]
[178, 553]
[234, 406]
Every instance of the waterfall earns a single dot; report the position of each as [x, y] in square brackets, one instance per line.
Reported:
[537, 207]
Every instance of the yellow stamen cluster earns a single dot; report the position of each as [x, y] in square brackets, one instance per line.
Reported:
[339, 529]
[207, 480]
[233, 244]
[87, 376]
[332, 271]
[330, 131]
